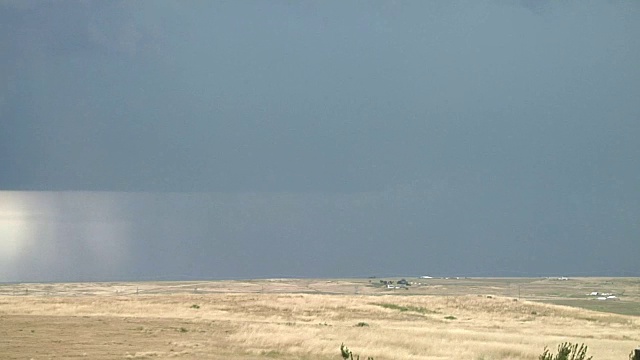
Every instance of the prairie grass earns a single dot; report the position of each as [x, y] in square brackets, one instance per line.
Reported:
[312, 326]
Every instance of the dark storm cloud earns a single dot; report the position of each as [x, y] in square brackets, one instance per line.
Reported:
[479, 137]
[329, 97]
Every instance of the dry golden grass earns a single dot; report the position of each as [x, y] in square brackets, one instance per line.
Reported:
[103, 324]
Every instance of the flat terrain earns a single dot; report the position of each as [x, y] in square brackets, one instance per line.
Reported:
[309, 319]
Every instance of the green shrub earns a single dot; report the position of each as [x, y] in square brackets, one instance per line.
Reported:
[362, 324]
[566, 351]
[195, 306]
[418, 309]
[347, 354]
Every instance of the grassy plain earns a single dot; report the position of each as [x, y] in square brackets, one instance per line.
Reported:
[310, 318]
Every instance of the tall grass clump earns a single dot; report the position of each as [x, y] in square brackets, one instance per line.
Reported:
[567, 351]
[348, 355]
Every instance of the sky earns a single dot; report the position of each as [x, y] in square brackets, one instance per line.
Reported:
[150, 140]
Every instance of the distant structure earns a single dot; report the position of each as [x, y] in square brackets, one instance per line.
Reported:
[603, 296]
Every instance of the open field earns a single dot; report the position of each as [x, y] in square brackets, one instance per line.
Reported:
[310, 318]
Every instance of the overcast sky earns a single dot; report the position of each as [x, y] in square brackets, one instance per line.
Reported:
[241, 139]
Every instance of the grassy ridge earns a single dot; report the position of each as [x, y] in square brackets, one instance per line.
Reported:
[615, 307]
